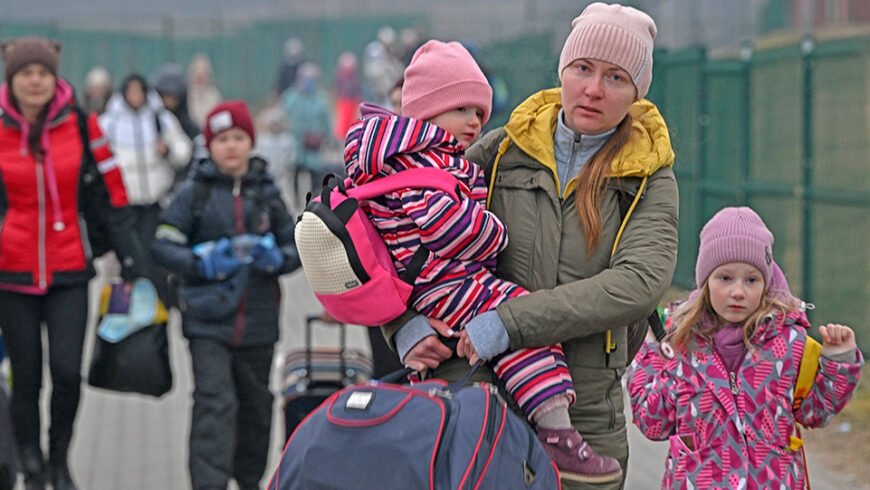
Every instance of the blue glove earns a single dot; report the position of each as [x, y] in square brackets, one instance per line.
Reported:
[216, 260]
[266, 254]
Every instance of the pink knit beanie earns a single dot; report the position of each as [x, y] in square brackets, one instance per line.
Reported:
[443, 77]
[735, 235]
[615, 34]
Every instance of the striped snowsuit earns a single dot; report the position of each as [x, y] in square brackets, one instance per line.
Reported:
[457, 281]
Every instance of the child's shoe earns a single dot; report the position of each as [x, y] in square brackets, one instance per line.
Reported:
[576, 460]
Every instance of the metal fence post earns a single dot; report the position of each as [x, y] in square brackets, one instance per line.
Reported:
[808, 46]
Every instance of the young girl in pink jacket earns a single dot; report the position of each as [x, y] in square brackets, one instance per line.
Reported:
[720, 388]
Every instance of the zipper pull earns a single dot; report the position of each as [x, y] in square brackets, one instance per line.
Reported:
[733, 378]
[237, 187]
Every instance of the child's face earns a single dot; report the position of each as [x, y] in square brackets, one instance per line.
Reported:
[463, 123]
[736, 290]
[230, 151]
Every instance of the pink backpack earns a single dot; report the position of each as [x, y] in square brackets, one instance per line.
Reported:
[344, 257]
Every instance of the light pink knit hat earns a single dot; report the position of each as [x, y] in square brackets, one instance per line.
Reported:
[615, 34]
[735, 235]
[443, 77]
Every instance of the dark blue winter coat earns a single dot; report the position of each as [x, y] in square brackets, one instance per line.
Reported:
[256, 208]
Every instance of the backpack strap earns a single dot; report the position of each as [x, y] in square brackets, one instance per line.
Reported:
[807, 372]
[157, 124]
[413, 178]
[201, 190]
[806, 377]
[89, 171]
[502, 149]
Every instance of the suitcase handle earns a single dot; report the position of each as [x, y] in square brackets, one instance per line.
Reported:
[342, 344]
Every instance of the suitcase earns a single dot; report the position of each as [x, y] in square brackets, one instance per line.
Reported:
[312, 374]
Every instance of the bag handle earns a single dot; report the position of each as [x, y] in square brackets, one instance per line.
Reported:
[342, 344]
[413, 178]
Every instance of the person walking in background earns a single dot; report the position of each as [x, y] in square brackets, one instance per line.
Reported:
[720, 387]
[557, 173]
[97, 89]
[45, 255]
[202, 94]
[447, 100]
[277, 146]
[229, 243]
[348, 93]
[381, 67]
[171, 87]
[150, 147]
[294, 56]
[309, 112]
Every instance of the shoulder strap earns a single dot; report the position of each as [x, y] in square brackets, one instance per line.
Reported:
[807, 372]
[157, 124]
[82, 122]
[201, 190]
[414, 178]
[806, 376]
[502, 149]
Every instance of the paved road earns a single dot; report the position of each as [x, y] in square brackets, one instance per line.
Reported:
[138, 443]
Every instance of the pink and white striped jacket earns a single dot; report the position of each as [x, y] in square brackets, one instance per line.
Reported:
[462, 237]
[735, 432]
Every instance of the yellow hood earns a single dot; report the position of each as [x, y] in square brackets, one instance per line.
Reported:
[533, 123]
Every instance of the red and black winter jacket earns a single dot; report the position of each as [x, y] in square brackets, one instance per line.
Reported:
[43, 235]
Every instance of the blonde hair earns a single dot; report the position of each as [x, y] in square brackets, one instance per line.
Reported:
[697, 317]
[590, 183]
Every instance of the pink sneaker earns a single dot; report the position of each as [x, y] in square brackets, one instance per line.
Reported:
[576, 460]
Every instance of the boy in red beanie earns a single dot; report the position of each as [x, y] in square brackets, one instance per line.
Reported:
[446, 100]
[229, 236]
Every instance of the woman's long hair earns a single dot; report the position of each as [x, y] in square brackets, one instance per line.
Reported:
[697, 317]
[591, 181]
[34, 138]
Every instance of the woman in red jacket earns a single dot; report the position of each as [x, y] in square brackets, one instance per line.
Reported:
[45, 256]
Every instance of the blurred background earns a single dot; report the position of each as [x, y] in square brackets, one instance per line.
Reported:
[767, 100]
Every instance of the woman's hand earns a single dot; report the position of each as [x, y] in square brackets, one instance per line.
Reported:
[430, 352]
[837, 339]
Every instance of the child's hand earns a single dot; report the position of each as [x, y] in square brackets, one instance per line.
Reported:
[161, 148]
[464, 348]
[837, 339]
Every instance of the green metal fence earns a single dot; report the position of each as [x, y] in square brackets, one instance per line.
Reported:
[245, 60]
[786, 131]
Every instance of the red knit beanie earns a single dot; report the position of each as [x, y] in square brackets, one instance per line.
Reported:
[228, 115]
[443, 77]
[23, 51]
[735, 235]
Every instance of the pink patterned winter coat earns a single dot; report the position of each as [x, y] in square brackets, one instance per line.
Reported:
[734, 432]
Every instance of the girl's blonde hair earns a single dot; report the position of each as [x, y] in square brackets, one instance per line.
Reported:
[591, 180]
[697, 317]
